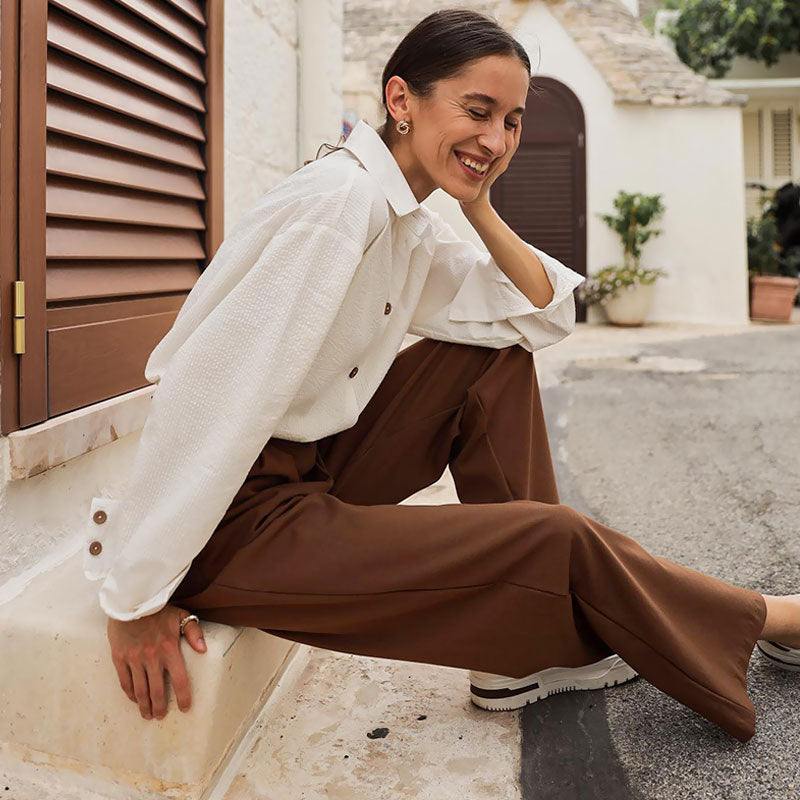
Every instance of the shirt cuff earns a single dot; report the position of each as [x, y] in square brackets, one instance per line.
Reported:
[563, 281]
[487, 294]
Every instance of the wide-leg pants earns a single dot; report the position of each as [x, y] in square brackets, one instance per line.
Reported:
[316, 547]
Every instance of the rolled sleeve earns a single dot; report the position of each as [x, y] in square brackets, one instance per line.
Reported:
[468, 298]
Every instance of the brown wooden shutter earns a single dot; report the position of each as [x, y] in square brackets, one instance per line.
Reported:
[542, 194]
[120, 207]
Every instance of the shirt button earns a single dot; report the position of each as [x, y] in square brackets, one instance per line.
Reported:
[388, 309]
[99, 517]
[353, 372]
[95, 548]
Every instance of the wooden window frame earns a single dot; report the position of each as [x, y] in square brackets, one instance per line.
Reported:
[23, 378]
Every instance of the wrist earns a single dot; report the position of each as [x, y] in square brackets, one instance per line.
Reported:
[477, 210]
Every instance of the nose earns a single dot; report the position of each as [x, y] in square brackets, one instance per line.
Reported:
[493, 139]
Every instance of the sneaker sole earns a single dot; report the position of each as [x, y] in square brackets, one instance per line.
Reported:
[507, 694]
[778, 655]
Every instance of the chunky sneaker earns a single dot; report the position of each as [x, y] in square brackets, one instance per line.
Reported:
[501, 693]
[780, 655]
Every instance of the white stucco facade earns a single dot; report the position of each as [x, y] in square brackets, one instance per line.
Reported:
[42, 518]
[692, 155]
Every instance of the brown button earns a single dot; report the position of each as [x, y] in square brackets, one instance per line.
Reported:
[99, 517]
[95, 548]
[388, 309]
[353, 372]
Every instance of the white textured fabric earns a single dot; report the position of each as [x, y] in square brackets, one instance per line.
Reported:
[288, 332]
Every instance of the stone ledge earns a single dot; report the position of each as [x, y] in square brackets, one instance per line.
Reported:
[64, 710]
[53, 442]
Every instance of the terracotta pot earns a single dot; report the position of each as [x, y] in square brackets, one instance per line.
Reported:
[772, 297]
[631, 306]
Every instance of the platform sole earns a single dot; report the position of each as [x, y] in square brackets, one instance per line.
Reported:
[498, 693]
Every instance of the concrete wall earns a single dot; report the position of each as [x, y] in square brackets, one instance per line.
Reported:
[788, 66]
[691, 155]
[268, 45]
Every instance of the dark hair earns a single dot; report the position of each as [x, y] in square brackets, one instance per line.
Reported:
[441, 46]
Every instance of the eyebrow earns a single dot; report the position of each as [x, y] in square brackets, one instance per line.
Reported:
[489, 100]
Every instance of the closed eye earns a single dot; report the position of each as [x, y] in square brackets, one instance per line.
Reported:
[478, 115]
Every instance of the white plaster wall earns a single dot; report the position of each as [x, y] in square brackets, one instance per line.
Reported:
[42, 519]
[692, 156]
[788, 66]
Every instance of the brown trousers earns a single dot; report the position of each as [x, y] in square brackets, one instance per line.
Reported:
[316, 548]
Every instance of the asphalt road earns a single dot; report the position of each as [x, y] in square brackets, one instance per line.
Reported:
[693, 449]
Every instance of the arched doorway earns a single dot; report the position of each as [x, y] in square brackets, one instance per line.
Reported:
[542, 194]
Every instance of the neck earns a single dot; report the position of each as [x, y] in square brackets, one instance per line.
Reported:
[419, 182]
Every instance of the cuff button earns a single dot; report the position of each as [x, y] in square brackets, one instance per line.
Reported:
[99, 517]
[95, 548]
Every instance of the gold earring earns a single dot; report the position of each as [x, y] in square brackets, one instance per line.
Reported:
[403, 127]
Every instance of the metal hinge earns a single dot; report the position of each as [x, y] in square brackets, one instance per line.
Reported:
[19, 317]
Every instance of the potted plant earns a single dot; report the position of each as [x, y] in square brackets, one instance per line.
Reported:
[773, 272]
[626, 292]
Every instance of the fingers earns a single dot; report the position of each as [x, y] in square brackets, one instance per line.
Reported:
[141, 689]
[125, 678]
[176, 667]
[158, 695]
[194, 635]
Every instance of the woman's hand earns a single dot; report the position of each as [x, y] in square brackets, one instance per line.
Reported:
[496, 169]
[143, 648]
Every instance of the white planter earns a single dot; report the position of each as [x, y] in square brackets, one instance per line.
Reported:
[631, 306]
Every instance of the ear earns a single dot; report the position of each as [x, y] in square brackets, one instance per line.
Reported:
[398, 97]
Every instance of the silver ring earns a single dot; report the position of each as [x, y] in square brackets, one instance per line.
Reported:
[187, 619]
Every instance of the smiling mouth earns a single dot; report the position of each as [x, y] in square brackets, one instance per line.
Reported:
[471, 169]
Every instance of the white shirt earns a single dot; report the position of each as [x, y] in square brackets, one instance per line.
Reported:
[288, 332]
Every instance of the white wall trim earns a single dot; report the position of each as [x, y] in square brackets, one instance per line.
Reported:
[36, 449]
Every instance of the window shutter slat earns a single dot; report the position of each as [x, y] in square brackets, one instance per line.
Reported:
[68, 116]
[80, 80]
[131, 30]
[80, 159]
[77, 280]
[192, 9]
[67, 316]
[66, 239]
[82, 200]
[170, 21]
[106, 53]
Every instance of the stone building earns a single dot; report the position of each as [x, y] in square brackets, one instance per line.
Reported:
[633, 117]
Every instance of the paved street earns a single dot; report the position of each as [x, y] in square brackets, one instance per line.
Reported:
[686, 439]
[691, 447]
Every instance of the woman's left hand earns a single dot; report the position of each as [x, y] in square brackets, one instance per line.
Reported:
[497, 168]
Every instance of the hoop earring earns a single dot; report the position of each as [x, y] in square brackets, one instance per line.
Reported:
[403, 126]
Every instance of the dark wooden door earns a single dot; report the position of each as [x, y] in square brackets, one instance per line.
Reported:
[542, 194]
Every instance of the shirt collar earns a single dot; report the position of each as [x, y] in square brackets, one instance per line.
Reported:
[365, 143]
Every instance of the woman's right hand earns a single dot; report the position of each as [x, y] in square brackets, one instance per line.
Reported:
[143, 648]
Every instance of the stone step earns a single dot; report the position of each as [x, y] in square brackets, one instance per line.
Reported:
[65, 712]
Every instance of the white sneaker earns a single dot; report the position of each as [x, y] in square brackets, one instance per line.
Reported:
[780, 655]
[502, 693]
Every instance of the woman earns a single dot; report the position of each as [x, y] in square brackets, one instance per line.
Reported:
[288, 427]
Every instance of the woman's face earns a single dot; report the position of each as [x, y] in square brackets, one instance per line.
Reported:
[472, 115]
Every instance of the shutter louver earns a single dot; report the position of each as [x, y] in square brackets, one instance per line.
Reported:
[782, 143]
[125, 199]
[546, 216]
